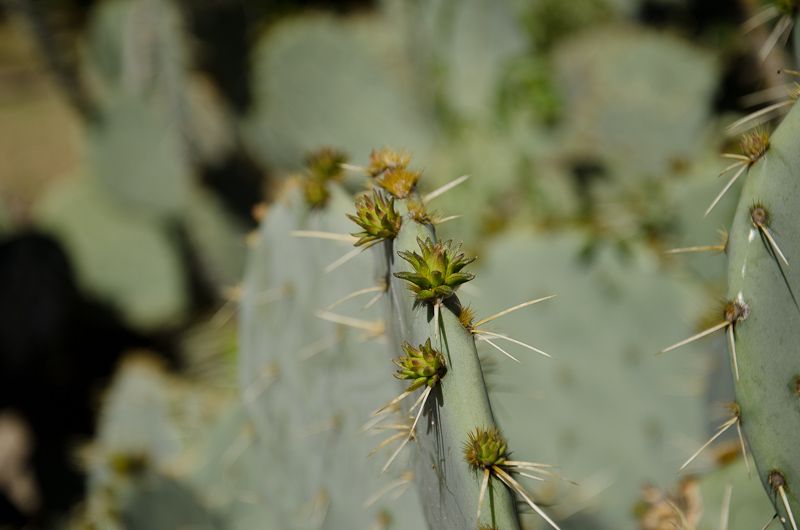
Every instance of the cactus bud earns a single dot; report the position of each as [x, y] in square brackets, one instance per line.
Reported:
[437, 271]
[423, 366]
[377, 217]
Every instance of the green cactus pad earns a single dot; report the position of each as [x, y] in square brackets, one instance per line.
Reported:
[121, 255]
[612, 313]
[448, 487]
[308, 384]
[764, 227]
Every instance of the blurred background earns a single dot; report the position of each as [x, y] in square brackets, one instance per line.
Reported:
[142, 142]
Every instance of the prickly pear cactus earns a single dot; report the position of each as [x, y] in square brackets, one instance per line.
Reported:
[459, 455]
[310, 375]
[763, 276]
[761, 316]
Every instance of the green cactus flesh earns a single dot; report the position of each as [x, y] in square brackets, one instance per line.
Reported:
[446, 484]
[762, 237]
[541, 404]
[309, 385]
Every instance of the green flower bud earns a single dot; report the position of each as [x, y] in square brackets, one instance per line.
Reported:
[423, 366]
[437, 271]
[485, 448]
[377, 218]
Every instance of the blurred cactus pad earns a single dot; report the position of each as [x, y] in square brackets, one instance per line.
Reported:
[396, 265]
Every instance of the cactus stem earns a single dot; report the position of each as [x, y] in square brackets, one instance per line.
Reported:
[511, 310]
[405, 479]
[423, 398]
[374, 289]
[500, 336]
[444, 189]
[722, 429]
[374, 327]
[317, 234]
[778, 484]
